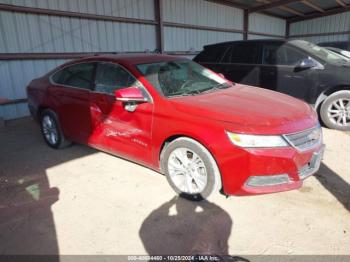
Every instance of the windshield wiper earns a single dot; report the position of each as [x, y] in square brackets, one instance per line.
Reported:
[188, 93]
[198, 91]
[221, 86]
[215, 87]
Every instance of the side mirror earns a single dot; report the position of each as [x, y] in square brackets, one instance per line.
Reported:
[130, 95]
[307, 63]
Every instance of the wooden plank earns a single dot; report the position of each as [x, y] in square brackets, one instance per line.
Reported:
[271, 5]
[340, 2]
[291, 10]
[313, 6]
[284, 8]
[314, 15]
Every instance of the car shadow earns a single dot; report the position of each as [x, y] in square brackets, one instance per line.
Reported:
[27, 224]
[335, 184]
[182, 227]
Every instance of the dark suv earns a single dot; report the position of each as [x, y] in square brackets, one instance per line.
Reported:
[344, 45]
[297, 68]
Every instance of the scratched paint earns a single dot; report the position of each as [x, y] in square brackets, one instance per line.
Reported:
[116, 133]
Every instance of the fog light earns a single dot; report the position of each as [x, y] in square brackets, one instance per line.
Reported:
[259, 181]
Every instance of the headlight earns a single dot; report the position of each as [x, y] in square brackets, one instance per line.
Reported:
[243, 140]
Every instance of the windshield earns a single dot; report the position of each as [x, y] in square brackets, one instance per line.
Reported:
[319, 52]
[181, 77]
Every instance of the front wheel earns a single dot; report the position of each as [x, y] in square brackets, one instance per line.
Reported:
[335, 111]
[190, 169]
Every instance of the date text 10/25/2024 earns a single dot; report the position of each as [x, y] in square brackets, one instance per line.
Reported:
[174, 258]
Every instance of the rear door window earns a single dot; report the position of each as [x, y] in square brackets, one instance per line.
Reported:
[211, 54]
[242, 53]
[78, 75]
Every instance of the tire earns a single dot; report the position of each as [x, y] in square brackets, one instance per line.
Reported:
[51, 130]
[332, 107]
[180, 153]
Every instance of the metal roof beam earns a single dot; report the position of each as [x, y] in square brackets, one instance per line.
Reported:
[240, 6]
[340, 2]
[328, 12]
[229, 3]
[271, 5]
[313, 6]
[284, 8]
[291, 10]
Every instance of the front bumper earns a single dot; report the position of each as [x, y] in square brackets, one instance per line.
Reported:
[270, 170]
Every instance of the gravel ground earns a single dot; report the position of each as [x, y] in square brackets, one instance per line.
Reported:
[81, 201]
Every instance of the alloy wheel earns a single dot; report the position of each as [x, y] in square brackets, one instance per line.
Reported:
[339, 112]
[187, 171]
[50, 130]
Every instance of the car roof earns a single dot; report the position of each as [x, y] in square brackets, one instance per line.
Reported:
[135, 58]
[281, 41]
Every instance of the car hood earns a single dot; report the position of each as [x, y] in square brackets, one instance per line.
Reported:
[250, 109]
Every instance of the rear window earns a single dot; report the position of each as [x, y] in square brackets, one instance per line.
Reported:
[210, 54]
[78, 75]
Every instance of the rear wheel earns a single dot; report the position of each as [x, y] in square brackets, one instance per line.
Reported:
[190, 169]
[335, 111]
[51, 130]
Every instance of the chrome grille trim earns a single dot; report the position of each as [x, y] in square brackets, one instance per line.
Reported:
[305, 140]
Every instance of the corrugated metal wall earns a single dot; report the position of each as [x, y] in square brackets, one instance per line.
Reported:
[198, 12]
[120, 8]
[266, 24]
[328, 24]
[176, 39]
[203, 13]
[14, 77]
[30, 33]
[42, 33]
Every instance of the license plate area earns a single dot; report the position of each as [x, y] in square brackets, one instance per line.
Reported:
[313, 166]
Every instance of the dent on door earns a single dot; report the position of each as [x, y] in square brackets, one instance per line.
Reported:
[120, 131]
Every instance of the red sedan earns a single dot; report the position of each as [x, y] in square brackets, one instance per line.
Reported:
[203, 132]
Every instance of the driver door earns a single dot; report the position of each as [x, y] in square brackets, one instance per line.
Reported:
[117, 130]
[279, 72]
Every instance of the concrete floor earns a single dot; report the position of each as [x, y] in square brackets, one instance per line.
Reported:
[81, 201]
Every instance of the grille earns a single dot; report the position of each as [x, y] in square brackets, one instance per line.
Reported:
[305, 139]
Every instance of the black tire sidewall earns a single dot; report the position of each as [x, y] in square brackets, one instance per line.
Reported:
[206, 160]
[325, 106]
[54, 118]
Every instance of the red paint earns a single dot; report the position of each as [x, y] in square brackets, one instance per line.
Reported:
[102, 122]
[129, 93]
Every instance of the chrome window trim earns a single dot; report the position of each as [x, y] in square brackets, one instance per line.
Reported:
[64, 67]
[150, 100]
